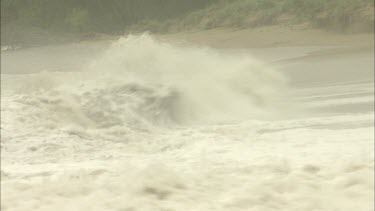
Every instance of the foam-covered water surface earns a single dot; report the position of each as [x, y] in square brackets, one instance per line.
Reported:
[150, 125]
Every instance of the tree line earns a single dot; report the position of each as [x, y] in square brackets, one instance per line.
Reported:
[93, 15]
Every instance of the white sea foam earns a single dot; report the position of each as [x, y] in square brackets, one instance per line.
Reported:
[206, 85]
[157, 126]
[140, 80]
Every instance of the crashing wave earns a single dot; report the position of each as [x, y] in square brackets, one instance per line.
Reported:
[141, 82]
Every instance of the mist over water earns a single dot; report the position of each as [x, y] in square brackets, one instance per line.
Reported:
[276, 115]
[140, 80]
[156, 125]
[193, 84]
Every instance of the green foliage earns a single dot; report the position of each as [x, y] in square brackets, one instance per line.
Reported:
[93, 15]
[328, 14]
[112, 16]
[77, 19]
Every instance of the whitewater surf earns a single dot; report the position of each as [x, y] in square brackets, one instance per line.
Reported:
[157, 125]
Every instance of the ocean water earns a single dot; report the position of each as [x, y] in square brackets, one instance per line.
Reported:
[151, 125]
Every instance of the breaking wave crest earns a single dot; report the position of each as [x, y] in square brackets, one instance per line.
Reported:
[141, 82]
[139, 129]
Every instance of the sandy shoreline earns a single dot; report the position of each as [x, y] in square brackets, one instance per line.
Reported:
[260, 37]
[273, 36]
[263, 37]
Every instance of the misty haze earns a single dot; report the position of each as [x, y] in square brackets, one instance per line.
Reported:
[187, 105]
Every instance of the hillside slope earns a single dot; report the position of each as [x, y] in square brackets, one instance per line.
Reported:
[334, 15]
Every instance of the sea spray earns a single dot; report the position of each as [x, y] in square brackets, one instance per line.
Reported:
[116, 136]
[208, 86]
[141, 83]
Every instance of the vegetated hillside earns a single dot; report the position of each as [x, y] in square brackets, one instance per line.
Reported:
[44, 20]
[335, 15]
[94, 15]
